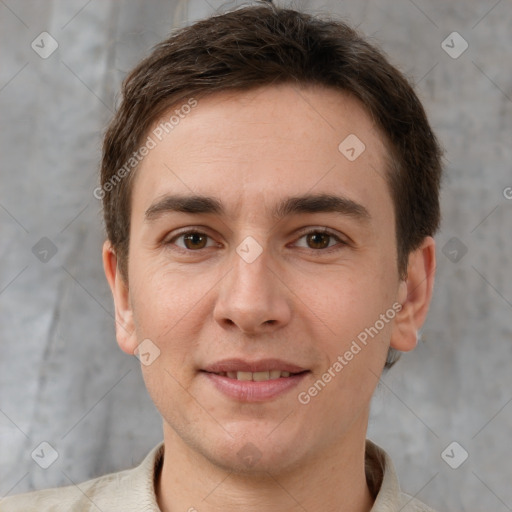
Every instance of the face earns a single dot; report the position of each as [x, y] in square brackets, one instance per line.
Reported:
[254, 293]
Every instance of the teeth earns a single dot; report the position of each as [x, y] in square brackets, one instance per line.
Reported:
[256, 376]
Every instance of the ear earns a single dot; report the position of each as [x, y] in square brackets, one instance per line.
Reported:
[415, 294]
[125, 327]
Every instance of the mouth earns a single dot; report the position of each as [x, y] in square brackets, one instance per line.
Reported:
[257, 376]
[257, 381]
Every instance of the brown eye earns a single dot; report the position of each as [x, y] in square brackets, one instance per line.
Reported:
[191, 241]
[195, 240]
[318, 240]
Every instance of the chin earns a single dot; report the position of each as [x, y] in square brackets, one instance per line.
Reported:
[254, 453]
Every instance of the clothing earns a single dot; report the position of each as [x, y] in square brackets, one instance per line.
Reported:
[133, 490]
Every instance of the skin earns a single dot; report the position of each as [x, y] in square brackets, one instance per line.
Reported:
[298, 301]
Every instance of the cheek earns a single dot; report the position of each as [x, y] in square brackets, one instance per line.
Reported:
[160, 298]
[170, 308]
[359, 313]
[354, 301]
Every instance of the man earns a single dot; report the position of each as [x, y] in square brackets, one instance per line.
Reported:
[270, 189]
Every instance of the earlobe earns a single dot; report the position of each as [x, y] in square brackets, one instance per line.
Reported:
[125, 328]
[415, 294]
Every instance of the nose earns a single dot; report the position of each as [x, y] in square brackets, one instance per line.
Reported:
[253, 297]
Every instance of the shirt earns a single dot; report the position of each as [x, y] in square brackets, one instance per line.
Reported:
[133, 490]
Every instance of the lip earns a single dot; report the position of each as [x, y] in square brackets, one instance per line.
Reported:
[253, 391]
[262, 365]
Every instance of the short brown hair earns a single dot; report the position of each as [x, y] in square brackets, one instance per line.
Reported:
[263, 45]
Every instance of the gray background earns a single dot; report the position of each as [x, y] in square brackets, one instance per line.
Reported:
[62, 377]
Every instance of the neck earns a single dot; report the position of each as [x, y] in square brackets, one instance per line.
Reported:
[332, 480]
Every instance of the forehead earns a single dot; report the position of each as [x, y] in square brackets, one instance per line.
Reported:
[253, 147]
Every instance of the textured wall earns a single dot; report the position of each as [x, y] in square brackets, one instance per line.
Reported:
[63, 379]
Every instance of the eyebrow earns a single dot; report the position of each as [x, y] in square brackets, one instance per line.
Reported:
[308, 203]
